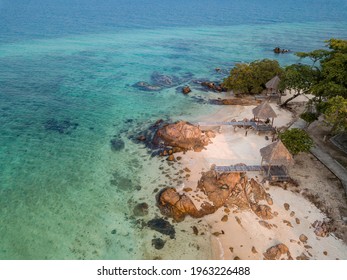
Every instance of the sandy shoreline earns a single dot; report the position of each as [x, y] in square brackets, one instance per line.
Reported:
[242, 235]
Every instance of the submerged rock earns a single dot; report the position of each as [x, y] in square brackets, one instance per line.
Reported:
[117, 144]
[279, 50]
[122, 182]
[164, 80]
[141, 209]
[146, 86]
[60, 126]
[158, 243]
[162, 226]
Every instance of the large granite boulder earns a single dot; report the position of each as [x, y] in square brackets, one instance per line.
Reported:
[218, 188]
[178, 206]
[232, 189]
[182, 135]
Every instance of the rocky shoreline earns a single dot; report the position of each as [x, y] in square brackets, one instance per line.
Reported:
[233, 204]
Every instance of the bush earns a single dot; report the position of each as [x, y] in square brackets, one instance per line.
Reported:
[309, 117]
[296, 140]
[322, 107]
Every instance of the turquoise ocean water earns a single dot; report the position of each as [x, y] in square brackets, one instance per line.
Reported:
[67, 70]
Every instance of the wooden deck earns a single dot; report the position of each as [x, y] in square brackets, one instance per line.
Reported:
[238, 168]
[277, 173]
[257, 127]
[247, 124]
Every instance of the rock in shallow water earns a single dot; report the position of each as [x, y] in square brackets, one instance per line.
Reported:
[141, 209]
[158, 243]
[117, 144]
[162, 226]
[146, 86]
[60, 126]
[164, 80]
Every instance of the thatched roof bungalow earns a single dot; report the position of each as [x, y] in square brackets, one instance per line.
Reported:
[264, 111]
[276, 155]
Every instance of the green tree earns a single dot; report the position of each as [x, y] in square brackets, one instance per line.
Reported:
[332, 71]
[296, 140]
[315, 55]
[251, 78]
[298, 77]
[336, 113]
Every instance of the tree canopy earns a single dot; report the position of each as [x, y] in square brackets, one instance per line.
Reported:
[326, 78]
[296, 140]
[332, 71]
[251, 77]
[298, 77]
[336, 113]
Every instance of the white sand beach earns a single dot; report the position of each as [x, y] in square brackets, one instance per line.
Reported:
[242, 235]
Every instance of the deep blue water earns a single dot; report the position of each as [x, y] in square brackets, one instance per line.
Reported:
[28, 19]
[66, 75]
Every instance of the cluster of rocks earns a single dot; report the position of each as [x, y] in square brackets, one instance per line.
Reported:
[159, 81]
[321, 229]
[279, 50]
[178, 206]
[226, 189]
[214, 86]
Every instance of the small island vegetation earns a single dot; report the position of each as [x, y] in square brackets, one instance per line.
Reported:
[325, 76]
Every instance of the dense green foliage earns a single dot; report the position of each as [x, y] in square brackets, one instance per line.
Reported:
[336, 113]
[332, 72]
[309, 117]
[326, 78]
[328, 81]
[251, 78]
[298, 77]
[296, 140]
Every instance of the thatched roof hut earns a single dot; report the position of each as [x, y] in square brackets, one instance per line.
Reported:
[264, 111]
[276, 154]
[273, 83]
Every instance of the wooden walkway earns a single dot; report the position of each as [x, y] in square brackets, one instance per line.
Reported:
[252, 124]
[261, 127]
[238, 168]
[276, 173]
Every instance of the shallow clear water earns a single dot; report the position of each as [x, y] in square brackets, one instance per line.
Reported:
[66, 75]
